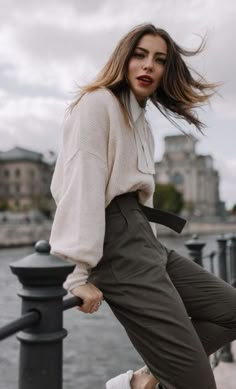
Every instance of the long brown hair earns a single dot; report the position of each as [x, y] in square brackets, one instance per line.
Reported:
[179, 92]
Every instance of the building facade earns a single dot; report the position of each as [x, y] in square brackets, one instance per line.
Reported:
[25, 178]
[192, 174]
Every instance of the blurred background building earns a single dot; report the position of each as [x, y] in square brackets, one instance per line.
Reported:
[25, 178]
[191, 174]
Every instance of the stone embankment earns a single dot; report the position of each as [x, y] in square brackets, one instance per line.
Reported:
[24, 234]
[27, 233]
[201, 227]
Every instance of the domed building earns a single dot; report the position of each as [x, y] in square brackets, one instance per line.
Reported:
[192, 174]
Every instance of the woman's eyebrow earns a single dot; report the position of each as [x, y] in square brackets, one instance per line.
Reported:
[146, 51]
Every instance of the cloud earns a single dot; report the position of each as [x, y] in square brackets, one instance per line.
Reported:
[34, 122]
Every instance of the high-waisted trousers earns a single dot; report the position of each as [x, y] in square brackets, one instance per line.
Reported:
[175, 312]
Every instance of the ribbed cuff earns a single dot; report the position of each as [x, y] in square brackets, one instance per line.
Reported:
[78, 277]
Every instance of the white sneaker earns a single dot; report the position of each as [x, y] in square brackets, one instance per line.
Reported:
[121, 381]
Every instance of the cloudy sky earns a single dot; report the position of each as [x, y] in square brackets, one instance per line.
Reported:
[48, 47]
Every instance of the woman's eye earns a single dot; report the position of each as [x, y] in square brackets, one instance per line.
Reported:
[138, 55]
[161, 60]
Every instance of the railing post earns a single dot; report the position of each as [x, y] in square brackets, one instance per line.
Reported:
[232, 259]
[195, 247]
[222, 257]
[226, 354]
[211, 258]
[42, 276]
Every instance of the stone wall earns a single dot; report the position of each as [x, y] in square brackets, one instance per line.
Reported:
[23, 234]
[27, 234]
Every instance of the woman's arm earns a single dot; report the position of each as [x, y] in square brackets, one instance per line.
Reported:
[79, 186]
[79, 225]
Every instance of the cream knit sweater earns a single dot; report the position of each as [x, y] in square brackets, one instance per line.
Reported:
[100, 158]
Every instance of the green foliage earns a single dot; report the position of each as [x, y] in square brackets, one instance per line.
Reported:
[234, 210]
[168, 198]
[4, 205]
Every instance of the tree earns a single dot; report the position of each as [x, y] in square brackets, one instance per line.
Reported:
[3, 205]
[234, 210]
[168, 198]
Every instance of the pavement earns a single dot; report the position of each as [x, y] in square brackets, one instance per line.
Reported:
[225, 373]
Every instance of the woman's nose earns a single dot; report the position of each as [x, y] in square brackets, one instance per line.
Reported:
[148, 64]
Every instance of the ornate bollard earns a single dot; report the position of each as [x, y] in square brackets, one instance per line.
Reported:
[195, 247]
[232, 258]
[226, 354]
[42, 276]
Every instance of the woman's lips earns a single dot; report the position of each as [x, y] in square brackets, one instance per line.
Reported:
[145, 80]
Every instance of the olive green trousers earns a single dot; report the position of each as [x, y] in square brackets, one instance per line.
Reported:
[175, 313]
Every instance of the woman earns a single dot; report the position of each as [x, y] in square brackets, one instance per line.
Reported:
[102, 184]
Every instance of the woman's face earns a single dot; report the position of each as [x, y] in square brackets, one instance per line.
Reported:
[146, 66]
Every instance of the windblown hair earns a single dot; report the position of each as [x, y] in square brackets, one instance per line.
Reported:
[179, 92]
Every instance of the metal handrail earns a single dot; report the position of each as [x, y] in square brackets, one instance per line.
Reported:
[33, 317]
[210, 255]
[23, 322]
[71, 302]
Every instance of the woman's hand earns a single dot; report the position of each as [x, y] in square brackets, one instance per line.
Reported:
[92, 297]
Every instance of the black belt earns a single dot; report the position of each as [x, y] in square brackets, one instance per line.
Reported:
[167, 219]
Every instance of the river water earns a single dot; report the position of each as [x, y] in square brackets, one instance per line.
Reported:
[96, 347]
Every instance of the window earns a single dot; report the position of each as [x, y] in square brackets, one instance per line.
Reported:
[173, 147]
[177, 179]
[6, 173]
[17, 172]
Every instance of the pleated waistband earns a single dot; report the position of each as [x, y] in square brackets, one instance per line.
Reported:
[124, 203]
[128, 201]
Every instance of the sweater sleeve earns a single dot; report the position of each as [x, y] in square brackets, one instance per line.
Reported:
[78, 187]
